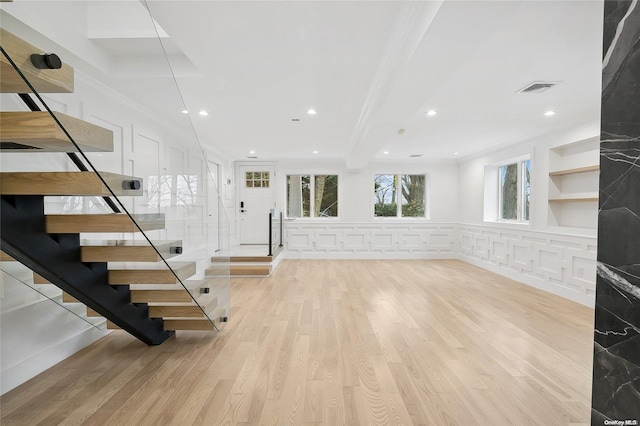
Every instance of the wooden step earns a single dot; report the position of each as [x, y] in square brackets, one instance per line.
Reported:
[112, 326]
[29, 131]
[243, 259]
[39, 279]
[148, 293]
[188, 324]
[67, 298]
[4, 257]
[238, 270]
[160, 295]
[174, 309]
[193, 323]
[44, 81]
[156, 274]
[68, 183]
[128, 251]
[183, 310]
[76, 223]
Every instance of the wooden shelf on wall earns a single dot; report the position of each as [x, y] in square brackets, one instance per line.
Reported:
[574, 200]
[593, 168]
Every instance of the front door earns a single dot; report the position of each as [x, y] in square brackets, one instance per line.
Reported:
[257, 198]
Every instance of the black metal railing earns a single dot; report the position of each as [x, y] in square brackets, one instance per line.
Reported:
[275, 231]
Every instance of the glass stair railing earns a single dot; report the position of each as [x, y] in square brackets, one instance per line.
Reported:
[19, 289]
[144, 266]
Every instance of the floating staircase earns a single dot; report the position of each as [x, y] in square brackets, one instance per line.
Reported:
[125, 281]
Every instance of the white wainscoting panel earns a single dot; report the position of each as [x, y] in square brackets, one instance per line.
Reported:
[558, 263]
[369, 240]
[561, 264]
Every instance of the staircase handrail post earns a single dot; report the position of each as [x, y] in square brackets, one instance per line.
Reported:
[281, 220]
[270, 235]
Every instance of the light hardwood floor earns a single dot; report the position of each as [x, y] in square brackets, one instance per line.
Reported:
[333, 342]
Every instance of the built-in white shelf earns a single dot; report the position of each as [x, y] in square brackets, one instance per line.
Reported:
[573, 184]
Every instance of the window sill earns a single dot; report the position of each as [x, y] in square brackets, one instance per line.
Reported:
[508, 222]
[312, 219]
[402, 219]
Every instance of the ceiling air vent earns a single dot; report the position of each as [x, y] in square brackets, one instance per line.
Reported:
[538, 87]
[416, 155]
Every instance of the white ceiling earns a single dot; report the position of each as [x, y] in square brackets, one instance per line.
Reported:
[369, 68]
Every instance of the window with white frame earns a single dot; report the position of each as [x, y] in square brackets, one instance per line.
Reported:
[313, 196]
[514, 191]
[399, 195]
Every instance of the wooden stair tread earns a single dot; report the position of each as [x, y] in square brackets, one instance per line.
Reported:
[39, 279]
[38, 131]
[148, 293]
[182, 310]
[66, 183]
[190, 285]
[234, 270]
[127, 250]
[44, 81]
[4, 257]
[67, 298]
[152, 274]
[196, 323]
[76, 223]
[242, 259]
[159, 295]
[188, 324]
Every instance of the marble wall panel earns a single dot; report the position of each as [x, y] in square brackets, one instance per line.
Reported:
[616, 361]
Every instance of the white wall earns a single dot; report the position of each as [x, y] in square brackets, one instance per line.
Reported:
[560, 260]
[356, 233]
[557, 259]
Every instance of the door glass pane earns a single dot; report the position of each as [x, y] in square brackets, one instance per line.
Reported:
[257, 179]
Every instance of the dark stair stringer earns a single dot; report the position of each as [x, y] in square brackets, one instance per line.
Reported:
[56, 257]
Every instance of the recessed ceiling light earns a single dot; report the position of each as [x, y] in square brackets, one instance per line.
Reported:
[252, 152]
[315, 152]
[184, 111]
[203, 112]
[385, 152]
[312, 111]
[455, 153]
[431, 112]
[549, 113]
